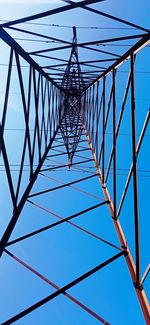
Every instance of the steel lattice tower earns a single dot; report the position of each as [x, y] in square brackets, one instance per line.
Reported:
[71, 122]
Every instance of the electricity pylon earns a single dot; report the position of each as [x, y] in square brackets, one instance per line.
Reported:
[71, 118]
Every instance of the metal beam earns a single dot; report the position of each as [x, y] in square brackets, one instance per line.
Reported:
[49, 12]
[14, 45]
[63, 289]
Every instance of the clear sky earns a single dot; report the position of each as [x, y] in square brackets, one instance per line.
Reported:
[63, 253]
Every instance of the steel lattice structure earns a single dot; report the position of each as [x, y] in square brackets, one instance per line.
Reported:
[67, 113]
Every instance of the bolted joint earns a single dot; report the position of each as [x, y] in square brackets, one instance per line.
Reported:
[124, 247]
[115, 218]
[125, 252]
[138, 286]
[1, 246]
[34, 176]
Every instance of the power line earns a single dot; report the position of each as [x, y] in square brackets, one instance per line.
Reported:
[84, 27]
[106, 133]
[78, 27]
[34, 40]
[82, 171]
[126, 169]
[122, 71]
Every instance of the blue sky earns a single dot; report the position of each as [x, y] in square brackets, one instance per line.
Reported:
[63, 253]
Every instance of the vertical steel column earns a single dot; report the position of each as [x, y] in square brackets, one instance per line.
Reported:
[135, 180]
[7, 90]
[114, 144]
[129, 259]
[103, 138]
[18, 209]
[97, 121]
